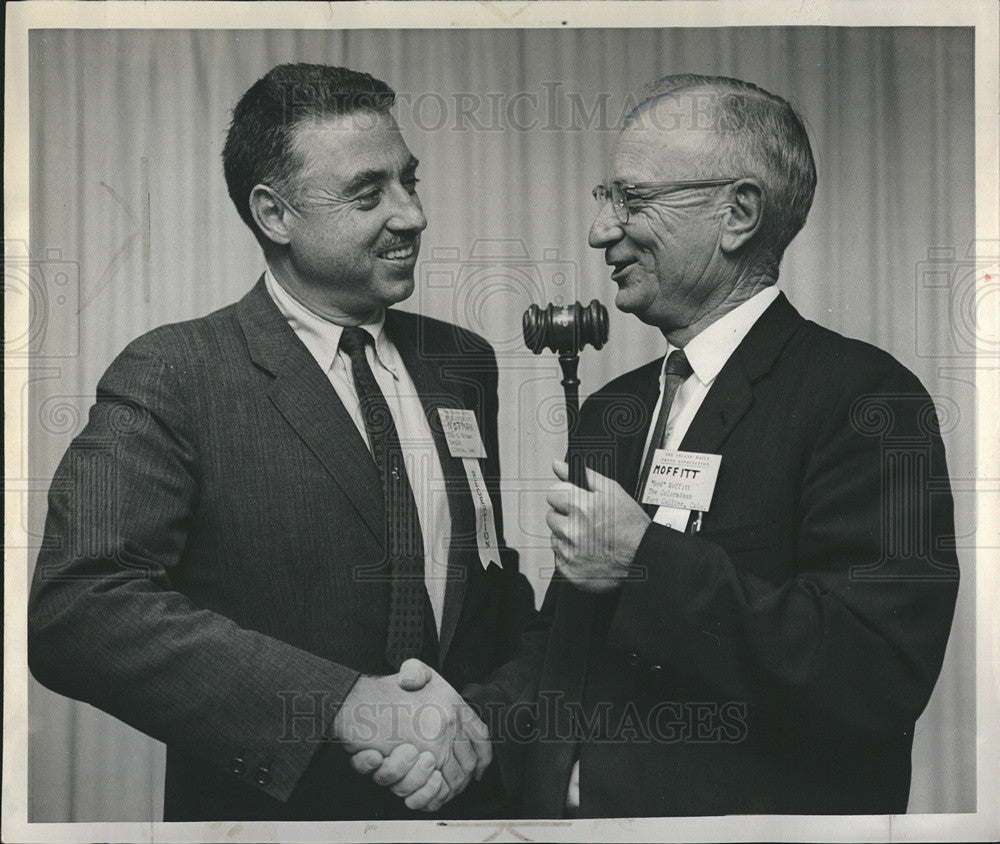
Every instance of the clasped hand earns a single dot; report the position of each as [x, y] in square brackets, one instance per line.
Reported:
[414, 734]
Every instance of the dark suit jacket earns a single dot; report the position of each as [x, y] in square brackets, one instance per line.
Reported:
[199, 573]
[777, 661]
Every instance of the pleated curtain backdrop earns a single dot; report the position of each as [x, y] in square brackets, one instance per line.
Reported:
[512, 129]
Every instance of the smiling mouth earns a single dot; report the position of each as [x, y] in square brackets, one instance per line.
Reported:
[621, 269]
[399, 253]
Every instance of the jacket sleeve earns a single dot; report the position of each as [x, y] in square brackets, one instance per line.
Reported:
[505, 700]
[858, 633]
[105, 625]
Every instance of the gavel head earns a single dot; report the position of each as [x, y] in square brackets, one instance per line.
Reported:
[565, 329]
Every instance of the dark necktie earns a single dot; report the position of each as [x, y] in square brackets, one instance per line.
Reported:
[404, 539]
[678, 370]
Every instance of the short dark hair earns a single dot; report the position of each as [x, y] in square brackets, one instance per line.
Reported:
[258, 148]
[757, 133]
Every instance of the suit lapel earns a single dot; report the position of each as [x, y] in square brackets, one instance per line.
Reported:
[731, 394]
[629, 452]
[306, 398]
[463, 565]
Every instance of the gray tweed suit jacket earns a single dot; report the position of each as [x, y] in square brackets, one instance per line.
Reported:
[200, 576]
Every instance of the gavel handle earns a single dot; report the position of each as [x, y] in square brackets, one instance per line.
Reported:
[571, 387]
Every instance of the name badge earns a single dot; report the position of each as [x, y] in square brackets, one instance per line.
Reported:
[461, 432]
[682, 479]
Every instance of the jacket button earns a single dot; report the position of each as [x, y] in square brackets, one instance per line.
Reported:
[263, 776]
[238, 766]
[656, 669]
[633, 659]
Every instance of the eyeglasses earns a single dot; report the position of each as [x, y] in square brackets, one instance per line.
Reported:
[622, 193]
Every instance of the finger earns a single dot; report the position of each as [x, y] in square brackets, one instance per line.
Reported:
[421, 798]
[560, 497]
[558, 524]
[485, 758]
[563, 564]
[414, 675]
[598, 482]
[443, 796]
[561, 468]
[397, 765]
[367, 761]
[416, 777]
[466, 756]
[453, 773]
[561, 548]
[479, 737]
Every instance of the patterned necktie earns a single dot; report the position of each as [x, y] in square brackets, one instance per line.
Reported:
[678, 370]
[404, 539]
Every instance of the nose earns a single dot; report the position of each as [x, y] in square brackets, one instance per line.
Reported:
[606, 228]
[407, 213]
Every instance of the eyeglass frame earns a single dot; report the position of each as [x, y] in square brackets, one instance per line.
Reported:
[607, 193]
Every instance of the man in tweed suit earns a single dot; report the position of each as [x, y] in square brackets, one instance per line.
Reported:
[221, 565]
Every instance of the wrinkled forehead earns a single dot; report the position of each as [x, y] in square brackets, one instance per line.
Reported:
[336, 147]
[645, 151]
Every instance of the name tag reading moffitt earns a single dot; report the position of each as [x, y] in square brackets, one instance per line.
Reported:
[682, 479]
[461, 432]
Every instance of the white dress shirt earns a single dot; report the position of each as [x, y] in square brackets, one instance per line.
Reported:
[707, 353]
[423, 466]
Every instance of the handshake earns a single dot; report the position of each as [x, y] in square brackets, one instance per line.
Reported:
[414, 734]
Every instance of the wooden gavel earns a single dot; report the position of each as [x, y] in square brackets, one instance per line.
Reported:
[566, 330]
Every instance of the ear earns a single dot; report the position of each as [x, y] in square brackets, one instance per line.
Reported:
[744, 212]
[273, 217]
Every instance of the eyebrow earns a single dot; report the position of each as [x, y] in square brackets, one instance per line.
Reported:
[373, 175]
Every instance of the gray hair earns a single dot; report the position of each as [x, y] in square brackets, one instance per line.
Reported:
[756, 134]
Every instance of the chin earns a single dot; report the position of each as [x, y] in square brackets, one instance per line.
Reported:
[628, 302]
[397, 291]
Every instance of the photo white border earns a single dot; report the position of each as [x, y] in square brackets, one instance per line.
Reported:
[983, 15]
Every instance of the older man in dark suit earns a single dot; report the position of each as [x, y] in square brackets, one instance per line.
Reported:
[764, 643]
[265, 517]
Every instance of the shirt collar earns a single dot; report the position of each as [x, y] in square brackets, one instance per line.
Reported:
[322, 337]
[708, 351]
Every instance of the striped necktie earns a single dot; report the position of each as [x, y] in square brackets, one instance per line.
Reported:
[677, 371]
[404, 539]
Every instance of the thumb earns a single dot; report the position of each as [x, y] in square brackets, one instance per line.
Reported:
[367, 761]
[414, 675]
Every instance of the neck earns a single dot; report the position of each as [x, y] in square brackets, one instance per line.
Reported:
[743, 292]
[314, 298]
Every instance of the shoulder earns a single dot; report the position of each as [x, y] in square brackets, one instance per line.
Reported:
[177, 337]
[847, 386]
[185, 348]
[825, 356]
[437, 338]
